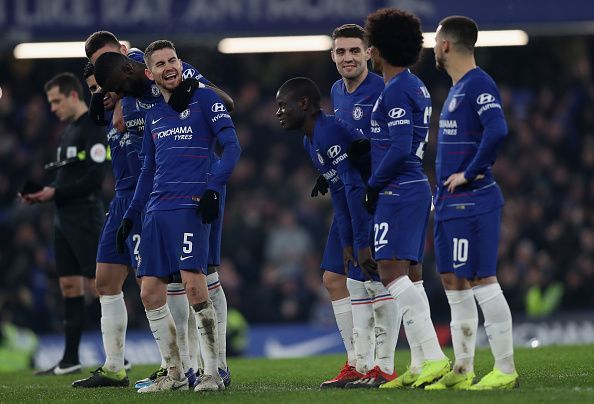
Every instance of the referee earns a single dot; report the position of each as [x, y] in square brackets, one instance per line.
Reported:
[79, 215]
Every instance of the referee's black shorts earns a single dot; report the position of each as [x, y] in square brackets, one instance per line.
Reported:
[76, 236]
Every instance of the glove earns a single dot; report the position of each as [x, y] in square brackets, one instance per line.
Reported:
[208, 207]
[122, 234]
[320, 187]
[97, 110]
[181, 96]
[370, 200]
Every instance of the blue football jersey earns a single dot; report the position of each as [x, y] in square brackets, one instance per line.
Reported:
[177, 149]
[124, 158]
[331, 139]
[471, 126]
[355, 108]
[399, 133]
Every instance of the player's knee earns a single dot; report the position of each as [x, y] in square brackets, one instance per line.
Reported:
[334, 283]
[152, 300]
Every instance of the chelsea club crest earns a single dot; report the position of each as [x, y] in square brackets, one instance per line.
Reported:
[357, 113]
[184, 114]
[155, 90]
[453, 105]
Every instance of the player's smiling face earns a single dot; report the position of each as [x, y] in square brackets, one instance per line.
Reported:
[165, 69]
[350, 56]
[288, 113]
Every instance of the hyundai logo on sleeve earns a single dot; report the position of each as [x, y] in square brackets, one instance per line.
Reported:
[217, 107]
[484, 98]
[333, 151]
[396, 113]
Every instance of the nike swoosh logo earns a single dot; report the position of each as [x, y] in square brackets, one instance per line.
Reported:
[185, 258]
[273, 348]
[177, 386]
[379, 247]
[154, 121]
[459, 265]
[336, 110]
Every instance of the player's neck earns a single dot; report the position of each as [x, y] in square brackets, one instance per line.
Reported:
[165, 93]
[310, 124]
[353, 84]
[460, 67]
[389, 71]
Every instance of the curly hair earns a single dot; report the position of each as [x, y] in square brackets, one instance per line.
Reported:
[396, 34]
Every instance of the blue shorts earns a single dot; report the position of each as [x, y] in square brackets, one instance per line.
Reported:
[400, 228]
[106, 251]
[173, 240]
[332, 258]
[216, 231]
[468, 246]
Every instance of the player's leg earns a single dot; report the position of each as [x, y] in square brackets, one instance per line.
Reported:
[363, 325]
[159, 258]
[334, 279]
[177, 301]
[399, 240]
[453, 242]
[193, 272]
[488, 294]
[215, 289]
[387, 324]
[111, 271]
[416, 352]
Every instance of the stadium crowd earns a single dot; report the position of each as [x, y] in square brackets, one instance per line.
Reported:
[274, 231]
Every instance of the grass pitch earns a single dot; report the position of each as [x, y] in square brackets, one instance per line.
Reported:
[550, 374]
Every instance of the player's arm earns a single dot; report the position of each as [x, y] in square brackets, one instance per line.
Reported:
[494, 129]
[92, 176]
[144, 186]
[401, 137]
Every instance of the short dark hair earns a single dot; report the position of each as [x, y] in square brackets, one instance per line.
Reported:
[107, 64]
[66, 83]
[462, 30]
[98, 40]
[396, 34]
[88, 71]
[349, 31]
[300, 87]
[155, 46]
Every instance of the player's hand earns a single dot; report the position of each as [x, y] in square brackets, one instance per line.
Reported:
[321, 187]
[458, 179]
[367, 263]
[370, 199]
[97, 109]
[123, 232]
[181, 96]
[208, 206]
[348, 258]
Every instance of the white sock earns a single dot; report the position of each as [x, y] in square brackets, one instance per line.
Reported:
[206, 319]
[421, 289]
[498, 325]
[363, 321]
[463, 326]
[163, 329]
[114, 321]
[194, 343]
[416, 317]
[387, 325]
[344, 319]
[219, 301]
[177, 300]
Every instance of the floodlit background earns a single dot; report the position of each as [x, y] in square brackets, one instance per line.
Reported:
[274, 233]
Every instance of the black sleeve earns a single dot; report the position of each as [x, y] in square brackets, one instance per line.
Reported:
[92, 167]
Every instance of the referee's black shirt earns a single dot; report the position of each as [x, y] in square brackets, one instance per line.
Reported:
[81, 182]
